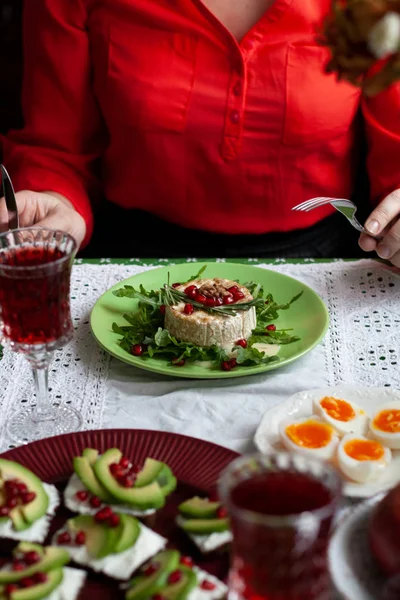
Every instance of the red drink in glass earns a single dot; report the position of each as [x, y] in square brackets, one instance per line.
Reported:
[34, 301]
[281, 509]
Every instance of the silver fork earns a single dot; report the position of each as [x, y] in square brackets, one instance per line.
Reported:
[345, 207]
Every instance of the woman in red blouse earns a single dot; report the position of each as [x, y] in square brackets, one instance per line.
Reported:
[202, 122]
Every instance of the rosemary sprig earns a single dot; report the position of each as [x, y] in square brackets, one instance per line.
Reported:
[173, 296]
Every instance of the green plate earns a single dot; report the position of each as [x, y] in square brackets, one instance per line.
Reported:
[308, 316]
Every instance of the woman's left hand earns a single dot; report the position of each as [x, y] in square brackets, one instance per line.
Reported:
[385, 221]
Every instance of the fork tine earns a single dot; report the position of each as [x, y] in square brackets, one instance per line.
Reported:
[313, 203]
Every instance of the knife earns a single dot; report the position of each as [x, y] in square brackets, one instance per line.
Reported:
[9, 197]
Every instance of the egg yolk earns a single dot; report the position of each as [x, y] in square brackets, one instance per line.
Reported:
[310, 434]
[364, 450]
[388, 420]
[338, 409]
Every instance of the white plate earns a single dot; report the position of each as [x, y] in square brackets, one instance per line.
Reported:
[300, 405]
[354, 572]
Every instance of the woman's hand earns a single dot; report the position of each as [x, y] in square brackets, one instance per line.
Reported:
[45, 209]
[385, 221]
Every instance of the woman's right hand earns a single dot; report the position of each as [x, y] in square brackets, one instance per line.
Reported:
[45, 209]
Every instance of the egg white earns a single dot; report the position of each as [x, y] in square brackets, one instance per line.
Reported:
[391, 440]
[359, 424]
[361, 470]
[324, 453]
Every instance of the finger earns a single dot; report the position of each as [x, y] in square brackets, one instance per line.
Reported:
[71, 223]
[395, 260]
[390, 244]
[367, 243]
[384, 213]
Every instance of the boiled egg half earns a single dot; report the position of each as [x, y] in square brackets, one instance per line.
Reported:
[343, 415]
[309, 436]
[362, 459]
[385, 425]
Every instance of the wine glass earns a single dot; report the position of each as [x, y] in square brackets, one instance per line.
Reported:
[35, 319]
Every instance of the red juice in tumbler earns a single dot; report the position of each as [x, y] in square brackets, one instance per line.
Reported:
[34, 298]
[277, 560]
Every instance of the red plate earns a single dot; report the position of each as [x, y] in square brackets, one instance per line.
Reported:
[197, 465]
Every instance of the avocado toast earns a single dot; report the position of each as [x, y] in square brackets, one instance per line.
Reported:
[205, 522]
[172, 576]
[112, 479]
[26, 503]
[36, 573]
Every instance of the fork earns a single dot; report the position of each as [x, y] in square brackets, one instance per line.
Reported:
[345, 207]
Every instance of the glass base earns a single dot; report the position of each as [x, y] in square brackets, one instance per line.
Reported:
[22, 428]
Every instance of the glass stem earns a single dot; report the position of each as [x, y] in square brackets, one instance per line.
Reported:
[41, 379]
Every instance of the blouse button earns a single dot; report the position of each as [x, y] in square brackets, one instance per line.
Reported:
[235, 117]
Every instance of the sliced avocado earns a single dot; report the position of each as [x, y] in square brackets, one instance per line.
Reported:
[149, 496]
[100, 539]
[205, 526]
[41, 590]
[150, 472]
[181, 589]
[91, 455]
[200, 508]
[86, 474]
[28, 547]
[53, 558]
[166, 480]
[129, 534]
[143, 586]
[18, 520]
[38, 507]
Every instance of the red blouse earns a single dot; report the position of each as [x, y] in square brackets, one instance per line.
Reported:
[187, 123]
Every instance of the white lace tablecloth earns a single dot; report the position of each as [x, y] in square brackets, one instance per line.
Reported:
[361, 348]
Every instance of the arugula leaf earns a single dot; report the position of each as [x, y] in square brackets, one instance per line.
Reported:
[198, 274]
[260, 336]
[253, 356]
[128, 291]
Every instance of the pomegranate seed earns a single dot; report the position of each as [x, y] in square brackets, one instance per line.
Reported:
[233, 363]
[200, 298]
[11, 503]
[158, 597]
[219, 301]
[238, 296]
[151, 569]
[27, 582]
[187, 561]
[191, 291]
[10, 588]
[64, 538]
[114, 520]
[176, 285]
[226, 365]
[18, 565]
[271, 328]
[207, 585]
[162, 309]
[40, 577]
[95, 502]
[267, 302]
[137, 350]
[242, 343]
[127, 481]
[114, 468]
[80, 538]
[4, 511]
[11, 489]
[135, 469]
[31, 557]
[222, 513]
[178, 363]
[174, 577]
[22, 487]
[233, 289]
[103, 514]
[228, 299]
[124, 462]
[28, 497]
[188, 310]
[82, 495]
[210, 302]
